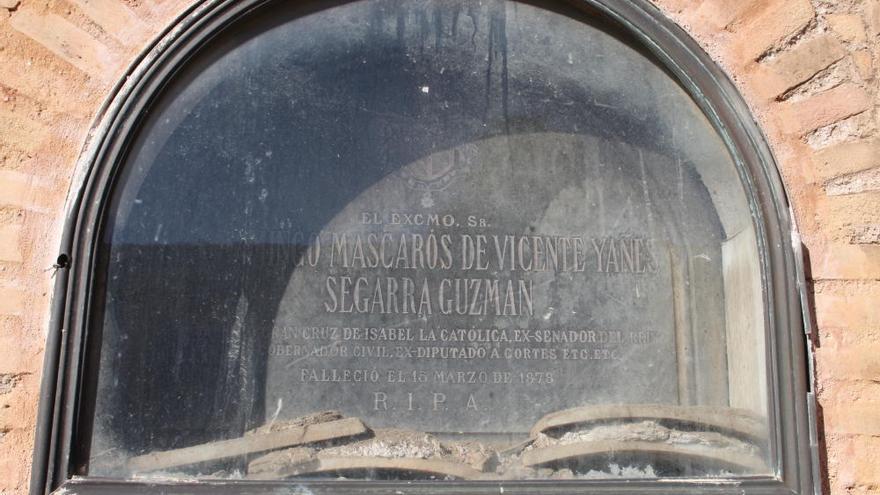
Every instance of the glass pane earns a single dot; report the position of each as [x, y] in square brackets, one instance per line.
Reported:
[428, 240]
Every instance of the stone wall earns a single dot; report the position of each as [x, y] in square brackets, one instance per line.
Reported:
[808, 69]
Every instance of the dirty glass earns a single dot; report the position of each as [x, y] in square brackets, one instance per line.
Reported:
[427, 239]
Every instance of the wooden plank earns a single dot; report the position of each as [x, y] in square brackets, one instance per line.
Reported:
[741, 461]
[247, 445]
[740, 422]
[684, 346]
[267, 466]
[332, 464]
[707, 323]
[745, 318]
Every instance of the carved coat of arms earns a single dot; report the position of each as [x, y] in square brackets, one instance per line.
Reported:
[438, 171]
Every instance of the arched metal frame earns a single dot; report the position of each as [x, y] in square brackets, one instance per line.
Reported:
[793, 423]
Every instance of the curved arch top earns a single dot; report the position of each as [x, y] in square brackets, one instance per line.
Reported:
[442, 218]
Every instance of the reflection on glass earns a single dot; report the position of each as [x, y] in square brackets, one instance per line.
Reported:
[429, 240]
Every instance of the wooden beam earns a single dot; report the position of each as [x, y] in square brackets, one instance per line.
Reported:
[739, 422]
[247, 445]
[740, 461]
[333, 464]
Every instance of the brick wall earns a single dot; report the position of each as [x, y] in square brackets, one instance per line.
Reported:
[808, 69]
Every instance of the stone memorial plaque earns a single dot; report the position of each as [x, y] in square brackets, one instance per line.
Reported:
[484, 286]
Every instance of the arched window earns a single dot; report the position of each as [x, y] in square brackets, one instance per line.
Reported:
[533, 246]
